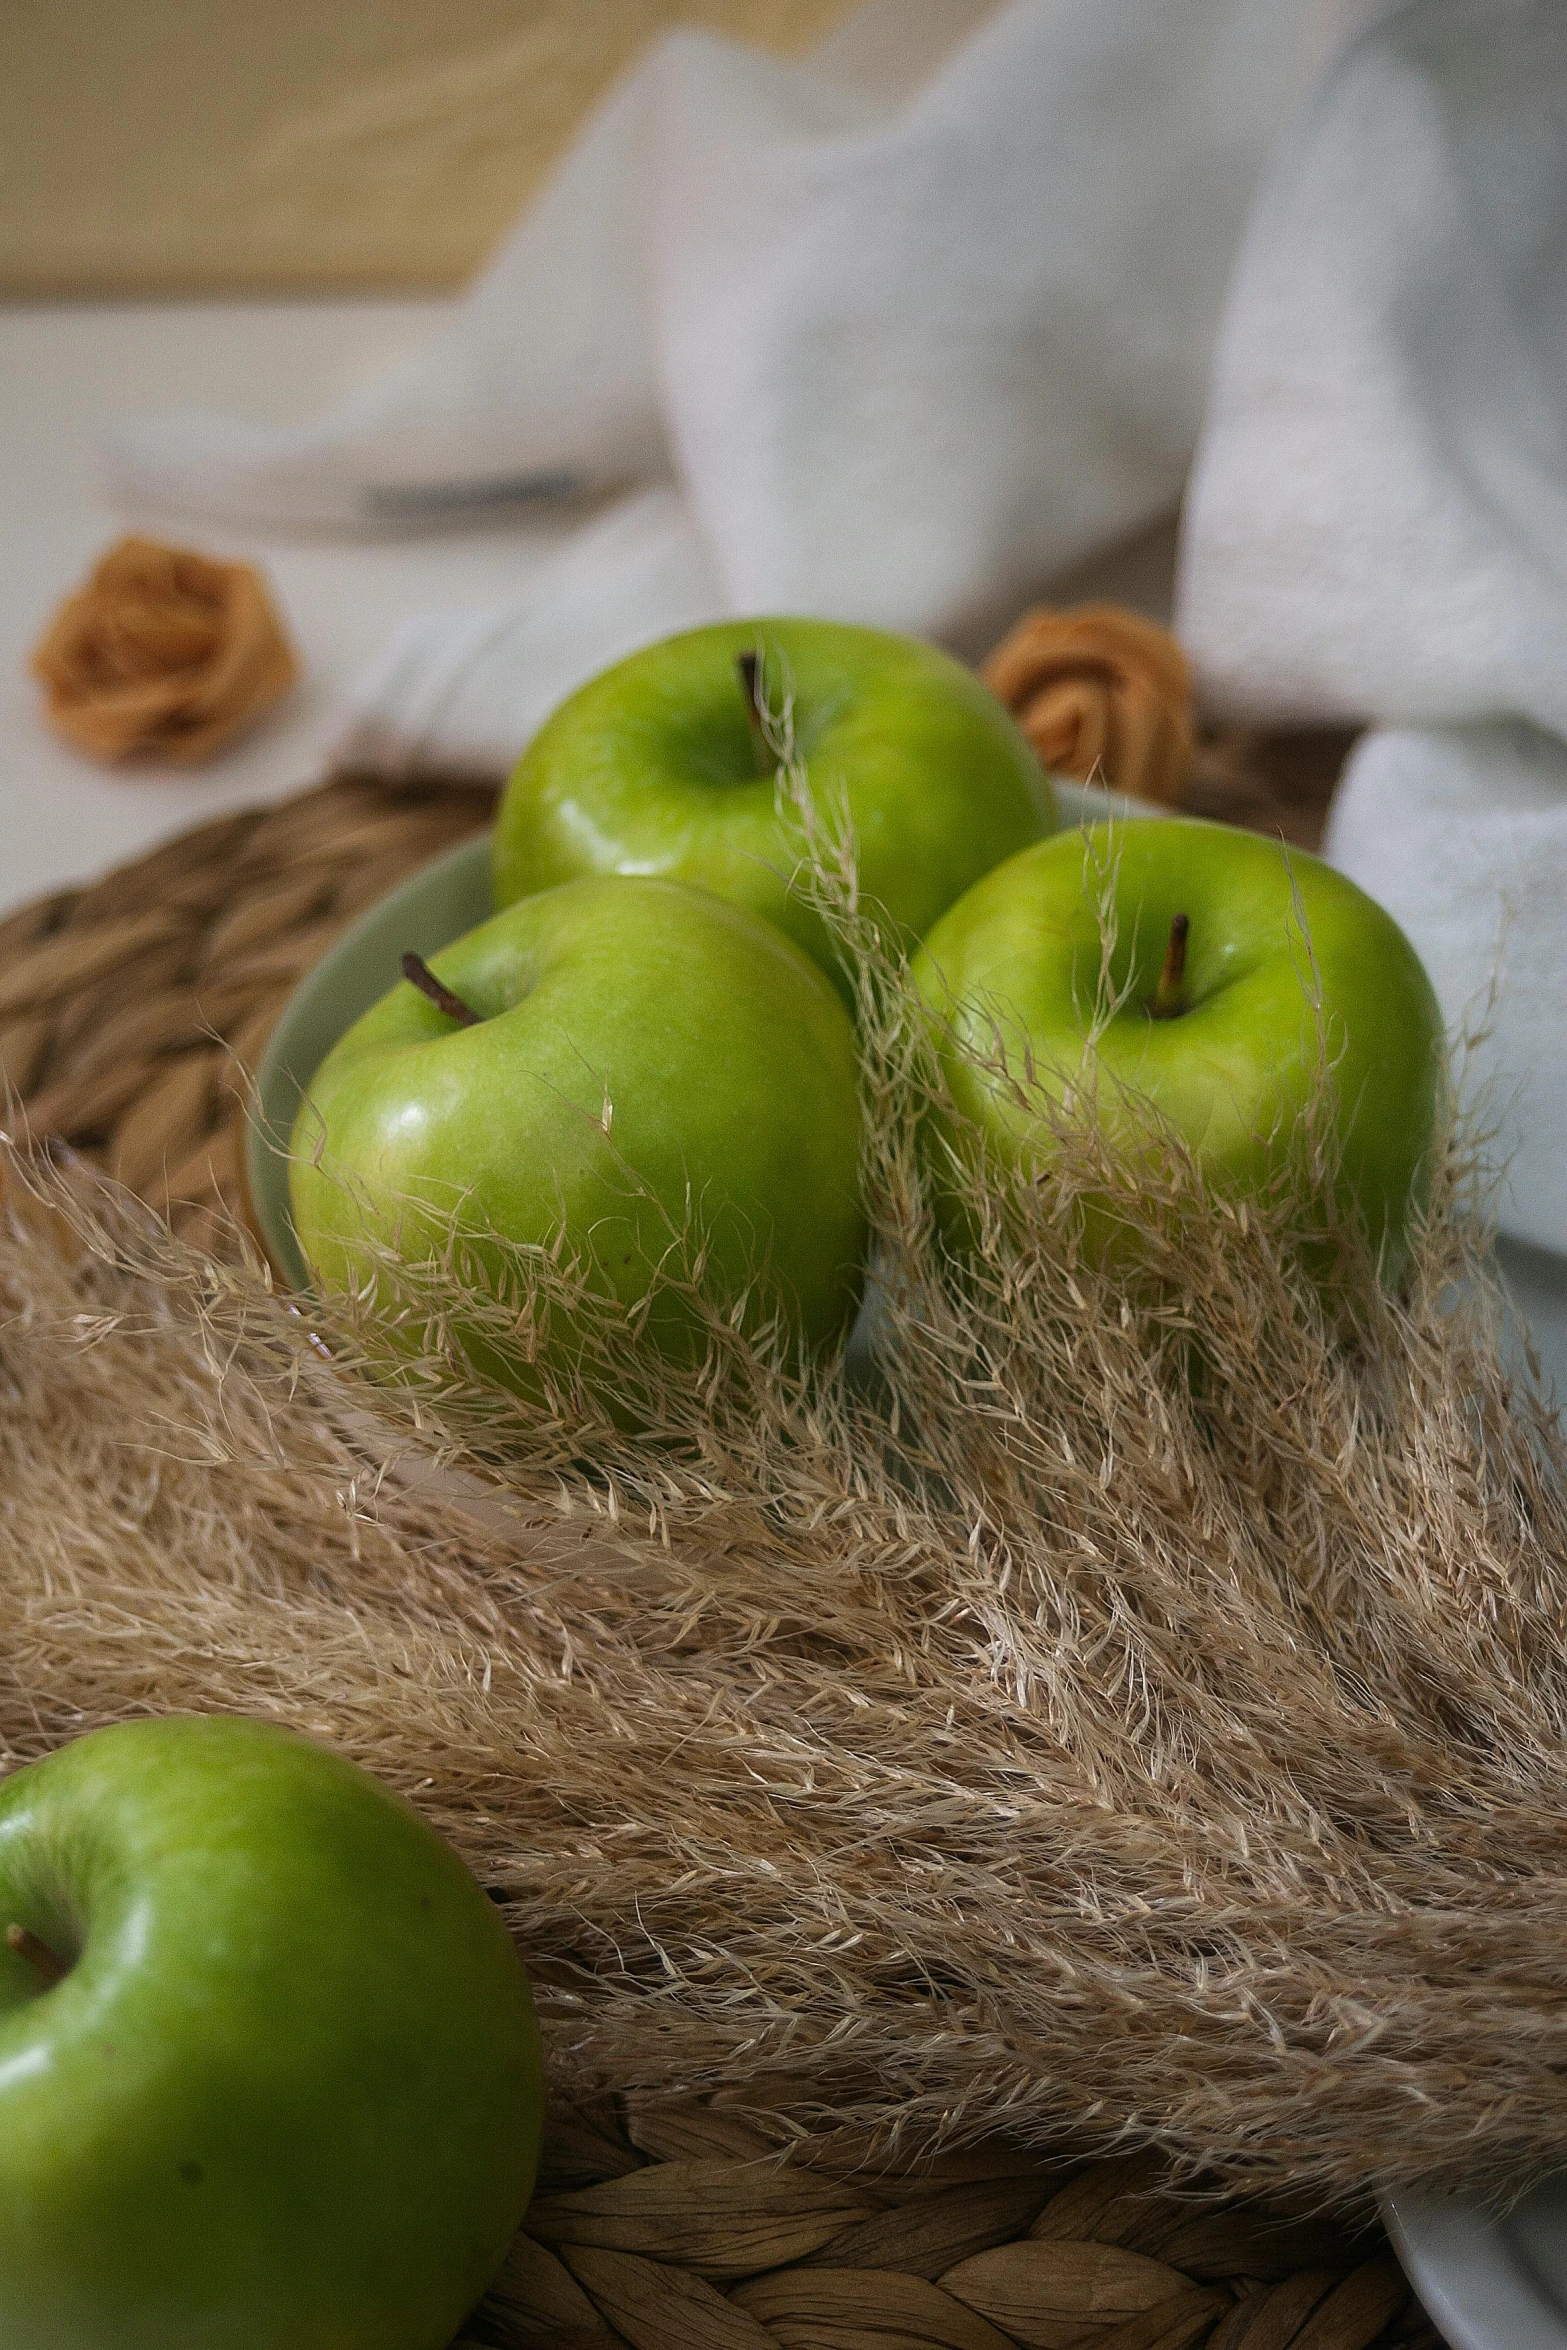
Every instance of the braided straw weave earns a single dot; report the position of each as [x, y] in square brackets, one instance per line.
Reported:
[676, 2228]
[130, 1012]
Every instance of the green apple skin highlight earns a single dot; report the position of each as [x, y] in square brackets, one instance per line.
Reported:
[653, 767]
[640, 1045]
[289, 2092]
[1234, 1066]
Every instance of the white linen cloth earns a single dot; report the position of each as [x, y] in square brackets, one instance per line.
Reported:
[1462, 834]
[1377, 521]
[903, 331]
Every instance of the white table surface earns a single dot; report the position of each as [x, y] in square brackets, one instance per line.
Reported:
[67, 371]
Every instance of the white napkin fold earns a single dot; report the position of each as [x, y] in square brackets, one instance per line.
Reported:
[1462, 834]
[1377, 521]
[458, 692]
[905, 354]
[543, 385]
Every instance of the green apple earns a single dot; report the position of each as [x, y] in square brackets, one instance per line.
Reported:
[662, 765]
[1224, 948]
[269, 2072]
[615, 1058]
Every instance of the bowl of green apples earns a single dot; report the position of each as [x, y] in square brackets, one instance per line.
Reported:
[629, 999]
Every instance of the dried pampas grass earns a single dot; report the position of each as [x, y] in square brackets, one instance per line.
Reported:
[1130, 1711]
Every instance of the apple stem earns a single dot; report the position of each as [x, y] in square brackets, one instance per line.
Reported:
[1168, 998]
[417, 970]
[37, 1954]
[749, 669]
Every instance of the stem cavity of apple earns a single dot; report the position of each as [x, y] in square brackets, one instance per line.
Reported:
[418, 972]
[748, 668]
[1168, 1000]
[37, 1954]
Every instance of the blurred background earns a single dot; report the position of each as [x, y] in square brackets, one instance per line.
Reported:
[174, 147]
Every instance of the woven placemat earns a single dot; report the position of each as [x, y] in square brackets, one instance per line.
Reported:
[675, 2227]
[133, 1011]
[130, 1014]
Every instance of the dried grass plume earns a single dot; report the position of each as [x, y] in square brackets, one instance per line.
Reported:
[1115, 1712]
